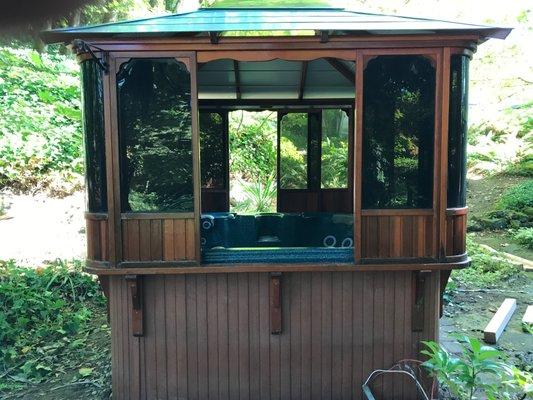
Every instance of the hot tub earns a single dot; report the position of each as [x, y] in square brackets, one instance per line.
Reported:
[277, 237]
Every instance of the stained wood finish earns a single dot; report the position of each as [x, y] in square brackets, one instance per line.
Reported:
[397, 236]
[208, 336]
[456, 231]
[97, 237]
[170, 239]
[323, 200]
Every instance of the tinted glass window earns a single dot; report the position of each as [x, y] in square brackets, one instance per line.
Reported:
[213, 150]
[293, 151]
[334, 154]
[154, 110]
[457, 131]
[94, 136]
[398, 132]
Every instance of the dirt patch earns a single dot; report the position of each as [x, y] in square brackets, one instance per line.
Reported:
[36, 229]
[470, 310]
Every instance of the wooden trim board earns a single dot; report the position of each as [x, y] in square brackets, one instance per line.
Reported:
[499, 321]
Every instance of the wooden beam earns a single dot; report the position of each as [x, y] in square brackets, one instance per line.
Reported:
[275, 303]
[342, 69]
[237, 80]
[499, 321]
[303, 77]
[136, 292]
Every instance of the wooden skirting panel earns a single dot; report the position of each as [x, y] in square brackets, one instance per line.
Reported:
[456, 231]
[209, 336]
[97, 237]
[157, 239]
[397, 236]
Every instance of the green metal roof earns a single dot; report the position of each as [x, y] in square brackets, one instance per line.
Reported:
[334, 20]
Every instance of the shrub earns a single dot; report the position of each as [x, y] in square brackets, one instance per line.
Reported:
[40, 123]
[517, 198]
[479, 372]
[524, 236]
[487, 268]
[41, 311]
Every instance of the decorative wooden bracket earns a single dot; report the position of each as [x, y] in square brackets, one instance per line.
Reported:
[135, 286]
[214, 37]
[417, 314]
[275, 303]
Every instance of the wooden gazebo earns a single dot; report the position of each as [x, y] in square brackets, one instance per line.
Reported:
[347, 276]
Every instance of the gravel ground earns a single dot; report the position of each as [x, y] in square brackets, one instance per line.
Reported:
[36, 229]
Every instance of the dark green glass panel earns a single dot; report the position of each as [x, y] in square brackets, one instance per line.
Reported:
[334, 173]
[94, 136]
[457, 131]
[154, 111]
[398, 132]
[213, 150]
[293, 151]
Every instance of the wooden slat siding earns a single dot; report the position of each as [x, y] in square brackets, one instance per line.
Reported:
[398, 331]
[192, 336]
[145, 232]
[150, 336]
[181, 335]
[255, 349]
[264, 335]
[305, 335]
[459, 231]
[316, 336]
[336, 345]
[455, 234]
[388, 331]
[363, 322]
[397, 236]
[171, 239]
[347, 367]
[368, 322]
[170, 287]
[201, 335]
[168, 240]
[212, 338]
[233, 346]
[326, 325]
[97, 243]
[223, 336]
[295, 329]
[378, 324]
[285, 345]
[244, 339]
[161, 338]
[104, 243]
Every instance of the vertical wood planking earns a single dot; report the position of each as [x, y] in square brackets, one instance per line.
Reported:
[326, 328]
[202, 335]
[316, 335]
[156, 240]
[212, 336]
[208, 336]
[181, 335]
[145, 233]
[168, 240]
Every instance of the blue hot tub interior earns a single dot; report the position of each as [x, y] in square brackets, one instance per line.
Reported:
[277, 237]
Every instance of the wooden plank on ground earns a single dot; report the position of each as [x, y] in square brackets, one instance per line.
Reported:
[527, 319]
[499, 321]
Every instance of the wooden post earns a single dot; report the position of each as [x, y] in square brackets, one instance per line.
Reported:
[136, 292]
[275, 303]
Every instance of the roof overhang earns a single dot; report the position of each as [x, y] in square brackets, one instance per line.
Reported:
[294, 21]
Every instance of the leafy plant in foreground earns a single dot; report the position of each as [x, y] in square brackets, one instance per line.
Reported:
[42, 311]
[524, 236]
[479, 372]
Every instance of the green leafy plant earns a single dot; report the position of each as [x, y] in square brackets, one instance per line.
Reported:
[42, 311]
[524, 236]
[260, 196]
[479, 372]
[486, 269]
